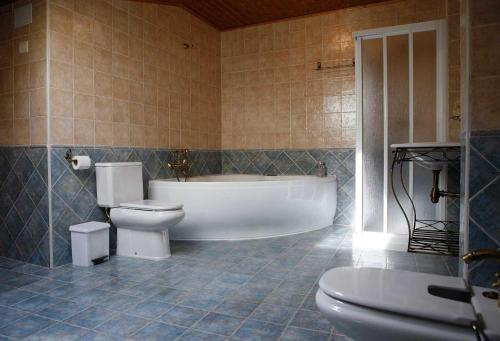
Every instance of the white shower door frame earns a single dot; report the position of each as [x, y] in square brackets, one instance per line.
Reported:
[440, 26]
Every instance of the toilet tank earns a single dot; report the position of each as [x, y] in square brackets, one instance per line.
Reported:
[118, 182]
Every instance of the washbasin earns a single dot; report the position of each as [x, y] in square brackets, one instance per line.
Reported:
[430, 155]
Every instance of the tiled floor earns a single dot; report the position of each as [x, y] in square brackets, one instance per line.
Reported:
[250, 290]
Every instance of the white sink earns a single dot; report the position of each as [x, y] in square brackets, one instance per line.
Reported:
[431, 155]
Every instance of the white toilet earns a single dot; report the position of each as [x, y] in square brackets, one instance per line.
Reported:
[142, 225]
[382, 304]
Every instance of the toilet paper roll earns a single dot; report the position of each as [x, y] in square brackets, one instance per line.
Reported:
[80, 162]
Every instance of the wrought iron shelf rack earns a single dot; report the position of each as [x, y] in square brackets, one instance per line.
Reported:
[426, 236]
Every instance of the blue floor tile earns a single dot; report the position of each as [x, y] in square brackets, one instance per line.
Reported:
[150, 309]
[59, 331]
[10, 296]
[158, 331]
[195, 335]
[273, 313]
[183, 316]
[119, 302]
[93, 336]
[43, 285]
[218, 324]
[8, 315]
[298, 334]
[311, 320]
[170, 295]
[62, 311]
[122, 325]
[25, 326]
[237, 307]
[202, 300]
[37, 303]
[91, 317]
[259, 331]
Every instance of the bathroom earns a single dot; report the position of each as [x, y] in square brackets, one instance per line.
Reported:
[275, 117]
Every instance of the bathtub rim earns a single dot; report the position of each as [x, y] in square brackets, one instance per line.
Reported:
[269, 179]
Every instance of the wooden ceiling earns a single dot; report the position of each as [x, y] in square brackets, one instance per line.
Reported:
[229, 14]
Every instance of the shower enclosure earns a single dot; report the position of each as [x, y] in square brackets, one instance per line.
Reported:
[401, 82]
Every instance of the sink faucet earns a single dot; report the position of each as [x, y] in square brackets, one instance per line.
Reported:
[322, 171]
[180, 164]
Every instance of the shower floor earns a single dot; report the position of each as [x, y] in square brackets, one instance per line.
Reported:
[243, 290]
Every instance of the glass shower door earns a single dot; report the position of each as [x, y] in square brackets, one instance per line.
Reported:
[400, 81]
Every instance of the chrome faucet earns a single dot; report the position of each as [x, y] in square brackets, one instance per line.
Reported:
[180, 164]
[322, 171]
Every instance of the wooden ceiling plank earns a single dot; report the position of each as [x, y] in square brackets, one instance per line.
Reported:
[230, 14]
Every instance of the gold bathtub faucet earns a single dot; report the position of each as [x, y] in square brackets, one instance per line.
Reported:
[181, 163]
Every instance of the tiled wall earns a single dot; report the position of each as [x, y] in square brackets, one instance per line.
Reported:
[485, 68]
[22, 77]
[273, 99]
[483, 127]
[339, 162]
[24, 222]
[484, 201]
[74, 197]
[121, 76]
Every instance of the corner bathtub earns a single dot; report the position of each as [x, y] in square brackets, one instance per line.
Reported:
[232, 207]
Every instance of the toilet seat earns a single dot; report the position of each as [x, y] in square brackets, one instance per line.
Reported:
[397, 292]
[151, 205]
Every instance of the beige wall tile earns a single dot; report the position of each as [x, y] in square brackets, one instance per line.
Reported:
[84, 107]
[103, 133]
[21, 103]
[21, 131]
[121, 134]
[61, 19]
[84, 132]
[38, 126]
[61, 102]
[61, 130]
[38, 102]
[37, 74]
[61, 75]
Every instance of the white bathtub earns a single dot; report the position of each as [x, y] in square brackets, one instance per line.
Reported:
[231, 207]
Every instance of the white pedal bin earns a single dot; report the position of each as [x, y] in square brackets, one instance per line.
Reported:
[89, 241]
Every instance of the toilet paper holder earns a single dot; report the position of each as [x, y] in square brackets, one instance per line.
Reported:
[69, 156]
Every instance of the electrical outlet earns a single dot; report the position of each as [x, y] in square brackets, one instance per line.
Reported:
[23, 47]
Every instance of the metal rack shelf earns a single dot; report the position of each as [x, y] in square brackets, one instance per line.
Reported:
[426, 236]
[433, 236]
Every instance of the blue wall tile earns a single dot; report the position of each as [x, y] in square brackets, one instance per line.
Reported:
[24, 204]
[484, 201]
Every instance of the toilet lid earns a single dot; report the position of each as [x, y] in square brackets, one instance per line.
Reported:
[397, 291]
[151, 205]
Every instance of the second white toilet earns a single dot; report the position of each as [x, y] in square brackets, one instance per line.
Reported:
[142, 225]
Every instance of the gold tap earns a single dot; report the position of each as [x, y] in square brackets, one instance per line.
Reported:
[180, 164]
[481, 254]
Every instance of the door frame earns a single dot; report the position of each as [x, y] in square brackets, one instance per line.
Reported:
[440, 26]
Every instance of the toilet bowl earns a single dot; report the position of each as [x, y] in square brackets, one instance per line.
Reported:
[382, 304]
[142, 228]
[142, 225]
